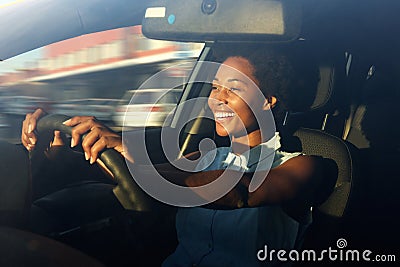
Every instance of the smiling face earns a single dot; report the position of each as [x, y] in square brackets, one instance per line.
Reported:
[234, 91]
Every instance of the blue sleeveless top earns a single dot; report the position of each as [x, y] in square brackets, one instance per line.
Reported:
[210, 237]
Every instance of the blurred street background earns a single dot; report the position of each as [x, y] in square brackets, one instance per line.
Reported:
[95, 74]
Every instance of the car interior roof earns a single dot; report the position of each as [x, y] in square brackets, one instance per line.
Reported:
[74, 17]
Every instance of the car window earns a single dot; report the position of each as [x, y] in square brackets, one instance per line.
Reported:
[93, 75]
[145, 98]
[160, 97]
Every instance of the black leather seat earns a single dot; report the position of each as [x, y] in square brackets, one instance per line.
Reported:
[315, 131]
[344, 155]
[337, 198]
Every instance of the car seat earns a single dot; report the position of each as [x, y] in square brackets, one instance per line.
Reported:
[316, 131]
[337, 198]
[328, 107]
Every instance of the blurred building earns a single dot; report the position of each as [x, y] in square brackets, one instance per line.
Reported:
[99, 52]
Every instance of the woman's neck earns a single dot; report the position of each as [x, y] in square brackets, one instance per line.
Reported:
[243, 143]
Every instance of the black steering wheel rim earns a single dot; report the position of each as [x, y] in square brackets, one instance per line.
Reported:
[128, 193]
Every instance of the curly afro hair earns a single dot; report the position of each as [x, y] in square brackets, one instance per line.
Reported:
[283, 72]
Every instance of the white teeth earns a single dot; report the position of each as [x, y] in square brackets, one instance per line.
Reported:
[220, 115]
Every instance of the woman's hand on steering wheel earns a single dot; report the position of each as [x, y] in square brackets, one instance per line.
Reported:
[28, 132]
[98, 136]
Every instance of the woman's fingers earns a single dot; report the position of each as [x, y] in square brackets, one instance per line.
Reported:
[98, 137]
[82, 125]
[78, 119]
[32, 121]
[91, 138]
[26, 142]
[24, 132]
[97, 147]
[28, 136]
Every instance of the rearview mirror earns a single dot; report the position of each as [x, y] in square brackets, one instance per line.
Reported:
[223, 20]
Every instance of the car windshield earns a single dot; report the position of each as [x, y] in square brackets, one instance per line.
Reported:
[93, 75]
[161, 96]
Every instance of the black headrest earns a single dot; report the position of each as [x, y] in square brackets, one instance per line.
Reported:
[325, 86]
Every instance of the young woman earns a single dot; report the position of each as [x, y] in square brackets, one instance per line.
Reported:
[230, 231]
[212, 237]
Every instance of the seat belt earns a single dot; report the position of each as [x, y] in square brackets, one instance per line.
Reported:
[349, 120]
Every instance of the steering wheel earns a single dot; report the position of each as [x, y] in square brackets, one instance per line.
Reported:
[128, 193]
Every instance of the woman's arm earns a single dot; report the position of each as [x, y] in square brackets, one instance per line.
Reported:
[294, 181]
[291, 184]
